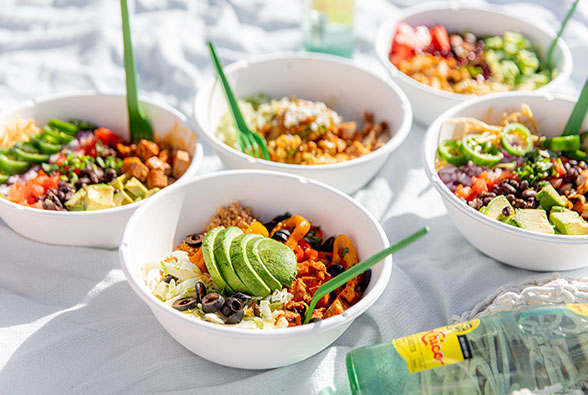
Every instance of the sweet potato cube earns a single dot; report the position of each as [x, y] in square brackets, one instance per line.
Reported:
[180, 162]
[348, 129]
[156, 179]
[146, 149]
[123, 150]
[133, 167]
[164, 155]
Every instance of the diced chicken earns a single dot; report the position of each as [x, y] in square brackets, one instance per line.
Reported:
[156, 179]
[146, 149]
[133, 167]
[337, 307]
[180, 163]
[154, 163]
[348, 129]
[350, 293]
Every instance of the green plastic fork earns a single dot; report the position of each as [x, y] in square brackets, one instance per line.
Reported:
[250, 143]
[139, 126]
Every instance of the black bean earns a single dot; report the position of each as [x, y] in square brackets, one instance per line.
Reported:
[194, 240]
[496, 189]
[110, 175]
[507, 211]
[200, 291]
[169, 277]
[524, 184]
[94, 178]
[281, 235]
[185, 304]
[511, 198]
[212, 302]
[335, 270]
[235, 318]
[520, 203]
[573, 162]
[509, 188]
[486, 200]
[527, 193]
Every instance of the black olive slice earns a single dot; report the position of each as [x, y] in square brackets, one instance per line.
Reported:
[335, 270]
[327, 245]
[194, 240]
[212, 302]
[235, 318]
[241, 295]
[200, 291]
[281, 235]
[231, 306]
[315, 319]
[169, 277]
[185, 304]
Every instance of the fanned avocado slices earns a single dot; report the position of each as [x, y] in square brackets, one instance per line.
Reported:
[279, 260]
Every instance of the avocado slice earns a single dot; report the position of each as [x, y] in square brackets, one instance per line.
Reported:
[211, 265]
[99, 196]
[135, 188]
[222, 245]
[244, 269]
[549, 197]
[76, 200]
[119, 182]
[151, 192]
[496, 206]
[121, 198]
[533, 219]
[569, 223]
[259, 266]
[279, 260]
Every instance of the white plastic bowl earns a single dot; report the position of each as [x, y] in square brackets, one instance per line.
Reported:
[164, 220]
[343, 86]
[101, 228]
[505, 243]
[482, 20]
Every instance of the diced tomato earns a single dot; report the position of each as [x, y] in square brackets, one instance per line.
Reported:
[463, 192]
[106, 136]
[299, 253]
[478, 186]
[403, 43]
[311, 254]
[33, 192]
[439, 39]
[60, 159]
[16, 193]
[559, 168]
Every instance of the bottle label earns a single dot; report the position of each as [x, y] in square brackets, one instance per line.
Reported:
[578, 308]
[437, 347]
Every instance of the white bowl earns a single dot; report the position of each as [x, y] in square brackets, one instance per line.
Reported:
[102, 228]
[164, 220]
[343, 86]
[506, 243]
[482, 20]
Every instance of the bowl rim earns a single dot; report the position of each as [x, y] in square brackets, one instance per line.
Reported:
[330, 323]
[82, 94]
[202, 100]
[432, 138]
[383, 41]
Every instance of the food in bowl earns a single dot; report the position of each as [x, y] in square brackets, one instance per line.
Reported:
[239, 271]
[78, 166]
[304, 132]
[465, 64]
[511, 173]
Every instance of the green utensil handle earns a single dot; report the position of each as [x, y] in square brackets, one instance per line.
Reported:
[129, 59]
[237, 116]
[578, 114]
[359, 268]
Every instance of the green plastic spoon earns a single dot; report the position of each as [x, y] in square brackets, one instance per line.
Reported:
[359, 268]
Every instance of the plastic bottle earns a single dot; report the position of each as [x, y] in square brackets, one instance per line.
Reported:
[540, 348]
[328, 26]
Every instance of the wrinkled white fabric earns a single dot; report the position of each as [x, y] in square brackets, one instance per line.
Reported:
[69, 322]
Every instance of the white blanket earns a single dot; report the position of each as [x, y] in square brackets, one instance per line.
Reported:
[69, 322]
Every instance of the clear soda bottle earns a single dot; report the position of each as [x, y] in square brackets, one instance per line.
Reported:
[328, 26]
[536, 348]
